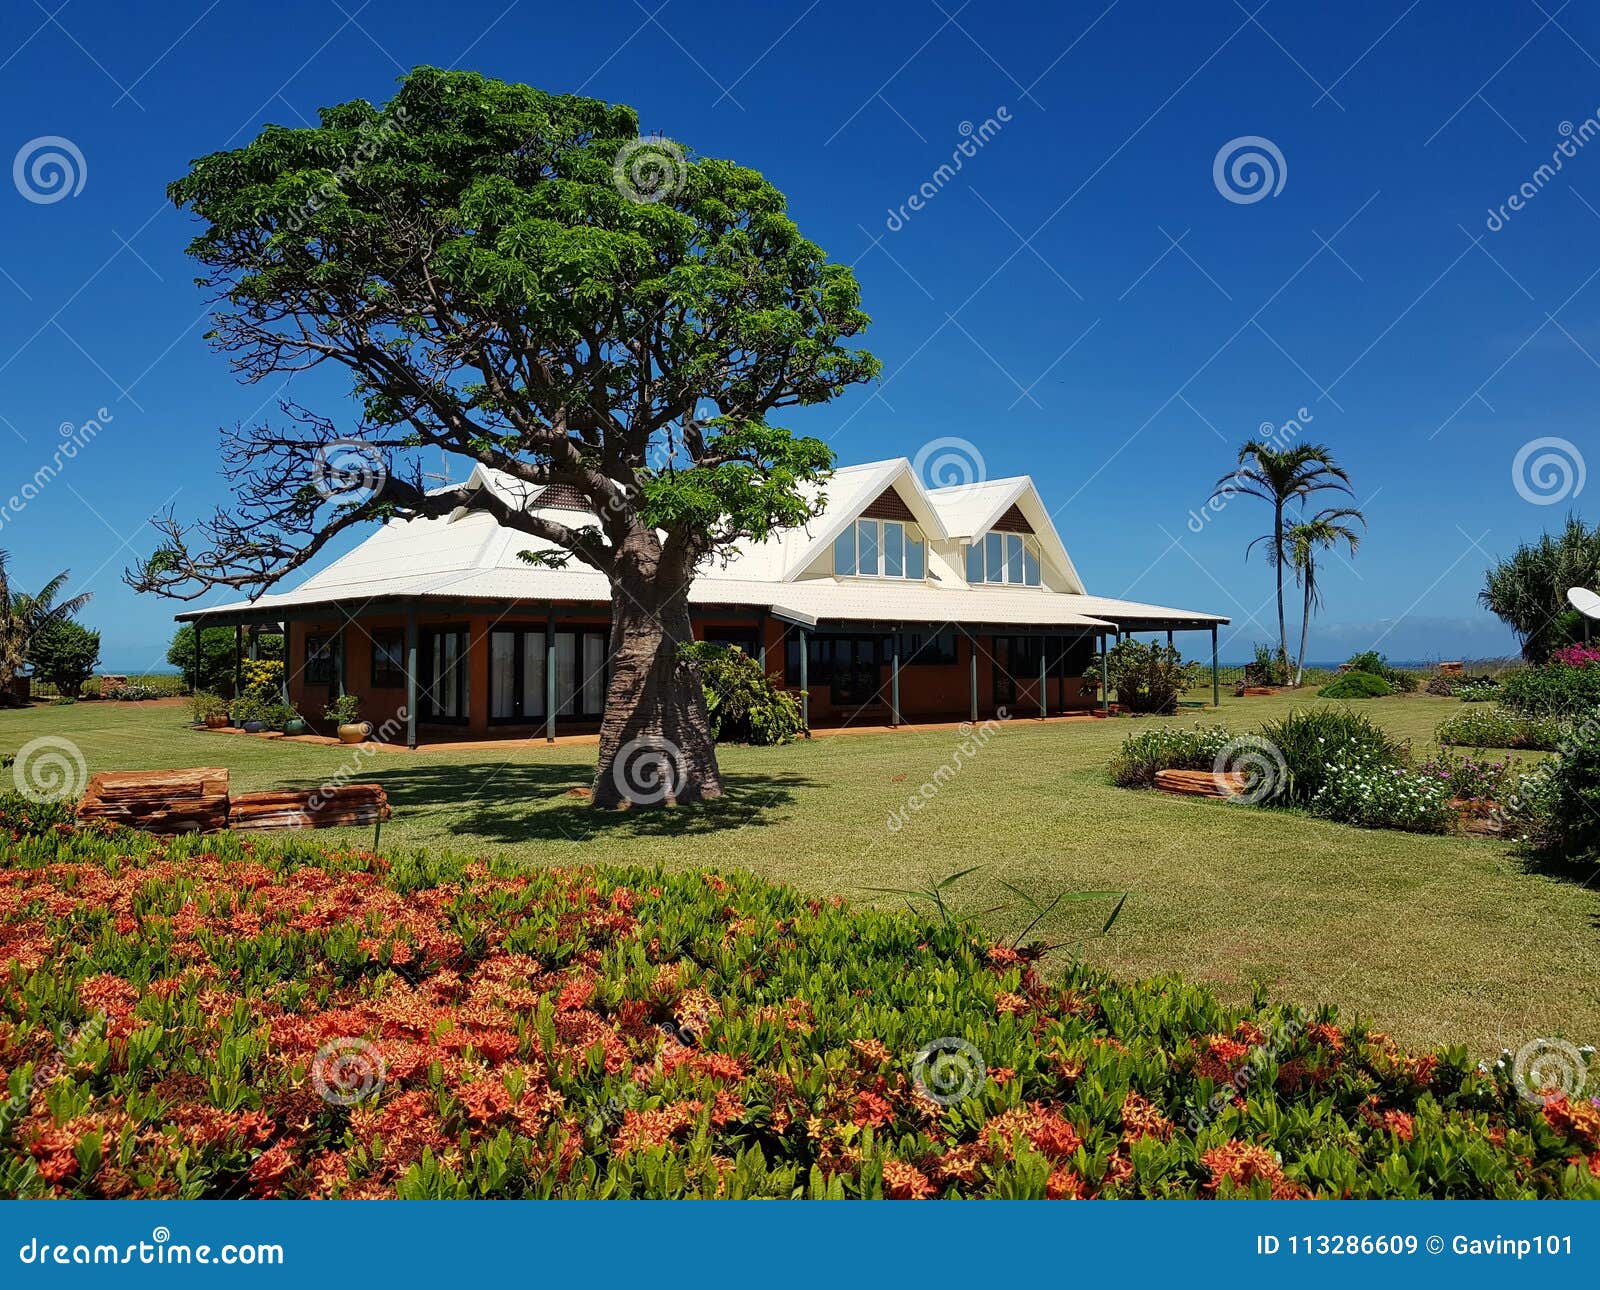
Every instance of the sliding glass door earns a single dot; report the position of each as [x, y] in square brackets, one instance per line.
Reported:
[517, 680]
[445, 675]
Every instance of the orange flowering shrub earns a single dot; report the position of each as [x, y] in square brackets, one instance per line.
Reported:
[211, 1017]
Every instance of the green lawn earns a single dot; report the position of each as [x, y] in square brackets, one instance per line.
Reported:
[1438, 939]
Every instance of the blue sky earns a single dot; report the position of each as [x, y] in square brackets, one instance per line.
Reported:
[1081, 302]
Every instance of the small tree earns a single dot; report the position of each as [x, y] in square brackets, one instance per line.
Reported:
[520, 279]
[1147, 678]
[1528, 589]
[1304, 538]
[65, 653]
[22, 617]
[217, 647]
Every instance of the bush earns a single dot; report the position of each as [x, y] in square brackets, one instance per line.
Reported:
[1147, 677]
[1497, 727]
[136, 692]
[1376, 664]
[1356, 685]
[205, 704]
[1553, 689]
[746, 705]
[1371, 793]
[504, 1031]
[263, 677]
[216, 655]
[1268, 668]
[1312, 741]
[22, 817]
[64, 653]
[1556, 809]
[1163, 748]
[1478, 689]
[1473, 779]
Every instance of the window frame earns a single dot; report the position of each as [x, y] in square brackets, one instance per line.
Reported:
[911, 537]
[997, 543]
[388, 644]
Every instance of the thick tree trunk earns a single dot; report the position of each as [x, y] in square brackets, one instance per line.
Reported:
[655, 740]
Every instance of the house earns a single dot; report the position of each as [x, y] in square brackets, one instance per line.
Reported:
[896, 604]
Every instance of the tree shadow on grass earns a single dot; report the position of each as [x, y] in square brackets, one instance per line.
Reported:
[511, 803]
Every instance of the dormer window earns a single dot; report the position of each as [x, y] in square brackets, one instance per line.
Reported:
[1004, 559]
[880, 549]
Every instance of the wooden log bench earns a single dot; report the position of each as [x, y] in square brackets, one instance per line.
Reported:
[197, 801]
[338, 806]
[160, 801]
[1202, 783]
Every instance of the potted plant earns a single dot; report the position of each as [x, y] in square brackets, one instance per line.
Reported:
[345, 712]
[293, 722]
[208, 710]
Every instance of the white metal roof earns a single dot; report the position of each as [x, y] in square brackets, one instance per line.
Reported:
[468, 556]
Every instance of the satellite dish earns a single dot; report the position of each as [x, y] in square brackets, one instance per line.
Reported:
[1584, 601]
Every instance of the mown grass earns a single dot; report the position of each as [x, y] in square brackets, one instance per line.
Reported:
[1437, 939]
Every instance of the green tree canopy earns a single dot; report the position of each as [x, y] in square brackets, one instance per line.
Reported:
[520, 279]
[217, 645]
[65, 653]
[1528, 589]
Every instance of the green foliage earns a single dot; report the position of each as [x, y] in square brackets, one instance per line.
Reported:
[1148, 677]
[1363, 789]
[1356, 685]
[1376, 664]
[1551, 689]
[1165, 748]
[1474, 779]
[22, 817]
[639, 1033]
[1528, 589]
[1556, 809]
[1498, 727]
[1312, 741]
[205, 704]
[344, 710]
[24, 616]
[746, 705]
[216, 655]
[1268, 668]
[64, 652]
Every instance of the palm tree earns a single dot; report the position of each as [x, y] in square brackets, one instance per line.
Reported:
[1279, 476]
[1324, 530]
[21, 618]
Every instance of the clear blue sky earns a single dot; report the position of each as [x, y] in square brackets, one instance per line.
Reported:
[1035, 306]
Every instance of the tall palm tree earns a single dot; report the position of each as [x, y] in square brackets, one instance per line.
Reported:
[22, 616]
[1323, 531]
[1279, 476]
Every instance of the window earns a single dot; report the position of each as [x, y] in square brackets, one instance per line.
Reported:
[880, 549]
[928, 649]
[319, 668]
[388, 659]
[519, 682]
[1009, 559]
[444, 675]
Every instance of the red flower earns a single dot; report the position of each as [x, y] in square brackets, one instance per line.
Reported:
[906, 1182]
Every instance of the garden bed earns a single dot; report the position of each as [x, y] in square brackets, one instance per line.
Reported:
[276, 1020]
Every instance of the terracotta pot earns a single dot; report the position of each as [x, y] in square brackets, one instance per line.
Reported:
[355, 732]
[218, 721]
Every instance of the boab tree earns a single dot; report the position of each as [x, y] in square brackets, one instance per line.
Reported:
[520, 279]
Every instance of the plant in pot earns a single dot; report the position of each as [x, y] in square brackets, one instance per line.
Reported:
[249, 714]
[345, 712]
[208, 710]
[293, 722]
